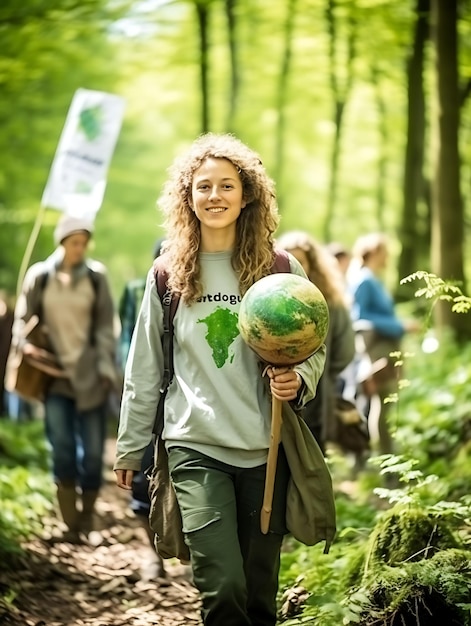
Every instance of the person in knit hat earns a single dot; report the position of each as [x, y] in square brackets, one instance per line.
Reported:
[71, 296]
[70, 225]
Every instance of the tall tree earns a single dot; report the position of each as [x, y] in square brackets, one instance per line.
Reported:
[447, 205]
[415, 239]
[230, 8]
[340, 94]
[282, 94]
[383, 129]
[202, 13]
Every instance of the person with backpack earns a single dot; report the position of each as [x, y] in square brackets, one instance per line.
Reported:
[221, 216]
[71, 297]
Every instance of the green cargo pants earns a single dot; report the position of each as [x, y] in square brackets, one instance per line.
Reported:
[235, 566]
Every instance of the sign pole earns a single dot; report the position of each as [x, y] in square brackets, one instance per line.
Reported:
[29, 248]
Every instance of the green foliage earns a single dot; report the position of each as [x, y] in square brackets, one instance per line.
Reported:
[321, 574]
[23, 444]
[438, 289]
[25, 497]
[48, 50]
[413, 554]
[438, 586]
[151, 58]
[408, 533]
[408, 554]
[25, 483]
[433, 415]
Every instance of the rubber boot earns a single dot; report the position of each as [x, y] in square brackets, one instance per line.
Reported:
[67, 499]
[87, 526]
[153, 566]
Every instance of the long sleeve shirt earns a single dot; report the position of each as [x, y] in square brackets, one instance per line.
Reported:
[217, 402]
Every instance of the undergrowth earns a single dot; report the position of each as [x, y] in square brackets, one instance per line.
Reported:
[401, 556]
[25, 484]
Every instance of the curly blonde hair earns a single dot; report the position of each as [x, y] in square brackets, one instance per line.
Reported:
[323, 269]
[253, 254]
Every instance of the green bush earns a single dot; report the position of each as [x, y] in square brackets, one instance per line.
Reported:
[25, 483]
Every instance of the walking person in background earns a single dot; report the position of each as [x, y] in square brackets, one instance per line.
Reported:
[321, 269]
[72, 298]
[374, 316]
[221, 216]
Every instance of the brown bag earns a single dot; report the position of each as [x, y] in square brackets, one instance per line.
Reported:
[352, 427]
[164, 516]
[31, 364]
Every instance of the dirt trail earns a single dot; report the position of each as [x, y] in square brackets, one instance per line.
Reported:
[73, 585]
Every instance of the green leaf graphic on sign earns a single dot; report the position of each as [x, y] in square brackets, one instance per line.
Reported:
[90, 122]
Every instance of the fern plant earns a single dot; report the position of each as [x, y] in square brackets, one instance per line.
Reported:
[438, 289]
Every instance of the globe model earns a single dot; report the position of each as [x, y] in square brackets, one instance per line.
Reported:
[284, 318]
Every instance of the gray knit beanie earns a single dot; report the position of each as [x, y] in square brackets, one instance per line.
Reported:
[68, 225]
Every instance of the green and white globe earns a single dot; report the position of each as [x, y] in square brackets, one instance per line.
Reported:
[284, 318]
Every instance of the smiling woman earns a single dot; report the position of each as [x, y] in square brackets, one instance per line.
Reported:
[221, 218]
[217, 200]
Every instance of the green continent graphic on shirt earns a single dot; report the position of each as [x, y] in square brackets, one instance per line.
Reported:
[222, 330]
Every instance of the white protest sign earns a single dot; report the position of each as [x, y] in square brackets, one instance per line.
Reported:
[77, 180]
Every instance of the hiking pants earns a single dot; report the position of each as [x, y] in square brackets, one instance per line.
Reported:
[235, 566]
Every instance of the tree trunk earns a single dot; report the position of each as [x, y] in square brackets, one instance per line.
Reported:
[447, 223]
[282, 93]
[384, 138]
[340, 99]
[202, 10]
[413, 236]
[230, 6]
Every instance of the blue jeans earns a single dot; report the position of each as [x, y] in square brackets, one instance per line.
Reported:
[235, 566]
[18, 410]
[77, 440]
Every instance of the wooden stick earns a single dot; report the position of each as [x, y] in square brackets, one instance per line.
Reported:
[275, 437]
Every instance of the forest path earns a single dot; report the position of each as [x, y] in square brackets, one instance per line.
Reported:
[62, 584]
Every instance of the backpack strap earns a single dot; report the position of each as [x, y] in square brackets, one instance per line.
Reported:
[169, 304]
[42, 280]
[281, 263]
[95, 284]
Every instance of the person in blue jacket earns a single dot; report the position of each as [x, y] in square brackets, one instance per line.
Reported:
[374, 316]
